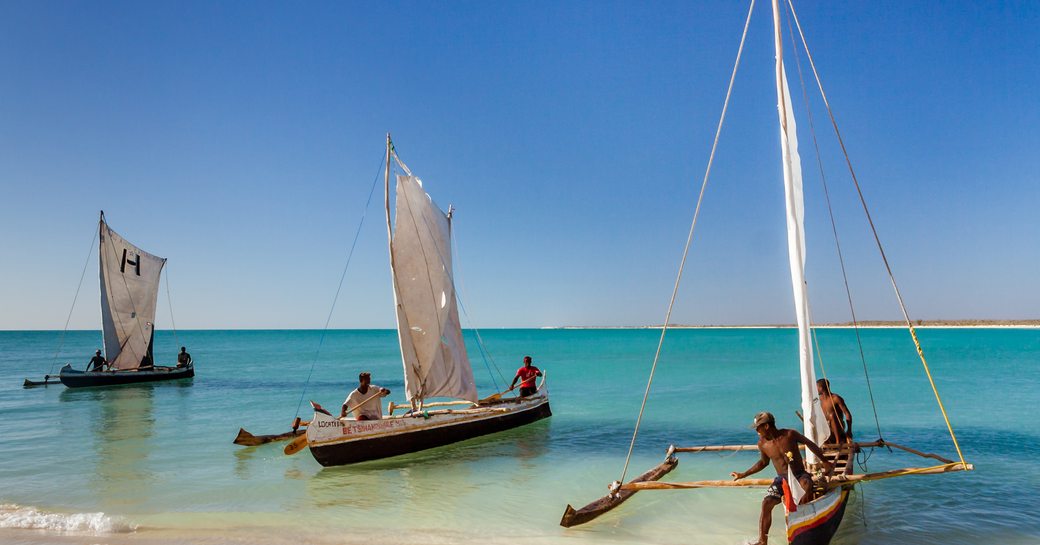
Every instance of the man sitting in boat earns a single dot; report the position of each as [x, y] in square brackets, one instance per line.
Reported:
[834, 408]
[184, 358]
[781, 447]
[526, 375]
[97, 363]
[363, 403]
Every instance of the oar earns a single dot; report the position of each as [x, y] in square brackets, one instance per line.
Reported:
[496, 397]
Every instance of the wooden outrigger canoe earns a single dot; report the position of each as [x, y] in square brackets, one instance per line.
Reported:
[813, 523]
[617, 496]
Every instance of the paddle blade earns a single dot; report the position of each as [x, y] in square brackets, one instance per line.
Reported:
[296, 445]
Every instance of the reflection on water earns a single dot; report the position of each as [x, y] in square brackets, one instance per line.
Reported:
[122, 425]
[418, 485]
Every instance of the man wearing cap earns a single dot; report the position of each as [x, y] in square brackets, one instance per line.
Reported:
[364, 402]
[781, 447]
[97, 363]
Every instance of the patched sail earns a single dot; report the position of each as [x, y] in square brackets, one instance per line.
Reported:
[814, 425]
[129, 289]
[432, 349]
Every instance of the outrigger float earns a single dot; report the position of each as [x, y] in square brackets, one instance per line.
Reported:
[816, 521]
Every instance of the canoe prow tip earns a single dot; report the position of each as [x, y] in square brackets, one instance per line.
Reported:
[568, 515]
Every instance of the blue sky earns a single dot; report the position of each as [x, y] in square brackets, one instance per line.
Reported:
[240, 140]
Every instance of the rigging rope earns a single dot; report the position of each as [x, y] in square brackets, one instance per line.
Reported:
[689, 241]
[342, 276]
[61, 341]
[169, 305]
[834, 230]
[485, 354]
[877, 239]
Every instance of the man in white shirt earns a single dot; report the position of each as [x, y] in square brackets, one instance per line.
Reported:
[364, 402]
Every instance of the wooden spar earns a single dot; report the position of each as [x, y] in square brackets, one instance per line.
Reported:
[695, 484]
[832, 482]
[247, 439]
[917, 452]
[714, 448]
[840, 480]
[573, 517]
[393, 406]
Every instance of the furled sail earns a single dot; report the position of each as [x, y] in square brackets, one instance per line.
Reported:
[814, 425]
[432, 349]
[129, 289]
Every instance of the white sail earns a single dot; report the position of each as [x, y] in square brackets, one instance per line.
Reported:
[129, 289]
[432, 349]
[814, 425]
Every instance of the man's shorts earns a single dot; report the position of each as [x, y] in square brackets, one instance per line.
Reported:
[776, 490]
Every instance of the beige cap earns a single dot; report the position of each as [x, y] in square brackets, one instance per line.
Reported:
[763, 418]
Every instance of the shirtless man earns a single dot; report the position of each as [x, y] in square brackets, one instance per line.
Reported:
[781, 447]
[834, 408]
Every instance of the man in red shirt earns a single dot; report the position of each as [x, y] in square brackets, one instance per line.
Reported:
[526, 376]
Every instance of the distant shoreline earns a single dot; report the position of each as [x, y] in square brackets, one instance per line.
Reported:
[867, 324]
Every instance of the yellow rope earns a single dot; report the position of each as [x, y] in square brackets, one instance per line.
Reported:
[931, 381]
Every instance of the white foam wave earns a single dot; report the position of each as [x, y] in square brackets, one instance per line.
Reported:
[30, 518]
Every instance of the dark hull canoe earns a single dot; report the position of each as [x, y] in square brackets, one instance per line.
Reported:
[414, 440]
[83, 379]
[573, 517]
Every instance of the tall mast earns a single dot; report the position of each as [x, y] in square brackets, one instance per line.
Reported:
[814, 424]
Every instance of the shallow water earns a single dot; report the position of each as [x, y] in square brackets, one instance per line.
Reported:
[155, 463]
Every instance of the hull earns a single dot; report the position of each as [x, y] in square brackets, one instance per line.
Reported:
[816, 522]
[83, 379]
[335, 442]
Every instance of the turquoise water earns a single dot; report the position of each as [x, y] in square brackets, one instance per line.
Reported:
[155, 463]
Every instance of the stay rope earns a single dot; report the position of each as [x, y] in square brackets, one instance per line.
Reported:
[169, 305]
[61, 340]
[485, 354]
[834, 230]
[339, 287]
[689, 241]
[877, 239]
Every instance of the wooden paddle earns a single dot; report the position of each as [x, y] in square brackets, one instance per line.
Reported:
[296, 445]
[496, 397]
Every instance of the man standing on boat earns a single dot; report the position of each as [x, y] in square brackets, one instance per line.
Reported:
[781, 447]
[184, 358]
[97, 363]
[834, 408]
[526, 375]
[364, 402]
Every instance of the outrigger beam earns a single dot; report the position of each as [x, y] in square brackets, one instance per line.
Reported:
[832, 482]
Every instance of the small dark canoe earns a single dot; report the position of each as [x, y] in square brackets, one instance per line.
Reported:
[47, 379]
[82, 379]
[247, 439]
[573, 517]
